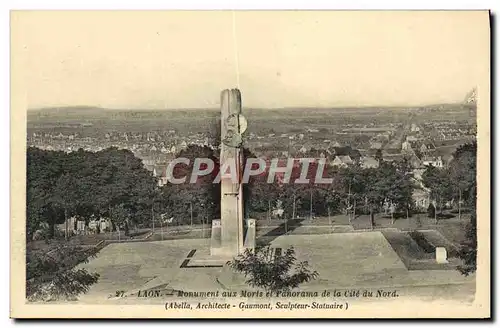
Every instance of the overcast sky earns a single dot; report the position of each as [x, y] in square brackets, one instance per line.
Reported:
[184, 59]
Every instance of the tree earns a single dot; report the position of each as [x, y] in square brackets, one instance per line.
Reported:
[43, 171]
[85, 184]
[202, 197]
[111, 182]
[431, 211]
[274, 273]
[378, 156]
[333, 200]
[259, 193]
[376, 188]
[54, 277]
[440, 184]
[353, 188]
[120, 216]
[288, 194]
[468, 249]
[463, 170]
[401, 187]
[65, 196]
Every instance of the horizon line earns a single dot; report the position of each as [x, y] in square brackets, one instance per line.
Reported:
[244, 107]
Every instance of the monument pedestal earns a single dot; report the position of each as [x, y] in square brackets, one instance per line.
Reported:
[250, 235]
[220, 248]
[217, 249]
[209, 260]
[215, 239]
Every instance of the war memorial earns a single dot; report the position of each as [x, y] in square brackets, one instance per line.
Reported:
[351, 264]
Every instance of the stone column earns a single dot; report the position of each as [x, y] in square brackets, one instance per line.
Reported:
[231, 191]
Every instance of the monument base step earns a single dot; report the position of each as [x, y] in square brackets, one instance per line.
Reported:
[206, 259]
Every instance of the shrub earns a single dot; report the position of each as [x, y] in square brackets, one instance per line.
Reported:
[54, 277]
[272, 272]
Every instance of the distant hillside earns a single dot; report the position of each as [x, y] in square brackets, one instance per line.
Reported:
[89, 113]
[95, 120]
[92, 111]
[70, 111]
[85, 115]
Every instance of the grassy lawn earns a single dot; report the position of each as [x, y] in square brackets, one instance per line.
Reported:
[451, 228]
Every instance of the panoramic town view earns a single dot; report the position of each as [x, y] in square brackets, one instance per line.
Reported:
[214, 177]
[394, 171]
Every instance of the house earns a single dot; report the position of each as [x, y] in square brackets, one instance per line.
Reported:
[421, 198]
[415, 128]
[335, 144]
[411, 138]
[427, 147]
[71, 225]
[149, 167]
[387, 152]
[433, 161]
[376, 145]
[406, 146]
[415, 162]
[342, 161]
[354, 154]
[160, 172]
[369, 162]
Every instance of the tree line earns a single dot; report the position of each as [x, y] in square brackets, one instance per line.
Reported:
[115, 184]
[111, 183]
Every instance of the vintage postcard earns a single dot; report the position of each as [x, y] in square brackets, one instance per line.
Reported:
[250, 164]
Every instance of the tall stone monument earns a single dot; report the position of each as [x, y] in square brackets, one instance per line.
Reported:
[227, 233]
